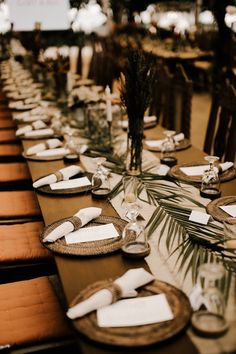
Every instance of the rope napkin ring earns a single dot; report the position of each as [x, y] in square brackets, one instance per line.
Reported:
[75, 221]
[59, 176]
[116, 292]
[47, 146]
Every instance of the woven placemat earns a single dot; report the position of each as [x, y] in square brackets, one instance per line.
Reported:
[47, 190]
[213, 208]
[89, 248]
[136, 336]
[183, 144]
[177, 173]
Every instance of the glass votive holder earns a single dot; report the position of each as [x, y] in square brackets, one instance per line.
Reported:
[210, 320]
[168, 149]
[230, 233]
[138, 248]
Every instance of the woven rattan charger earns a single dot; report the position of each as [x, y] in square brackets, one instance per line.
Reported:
[93, 247]
[213, 208]
[176, 172]
[136, 336]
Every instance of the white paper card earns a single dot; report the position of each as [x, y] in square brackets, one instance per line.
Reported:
[229, 209]
[40, 132]
[135, 312]
[198, 216]
[93, 233]
[154, 143]
[194, 170]
[72, 183]
[52, 152]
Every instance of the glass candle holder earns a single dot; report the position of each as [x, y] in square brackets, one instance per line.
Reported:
[168, 149]
[210, 185]
[210, 319]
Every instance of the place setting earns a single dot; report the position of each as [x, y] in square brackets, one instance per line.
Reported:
[49, 150]
[133, 310]
[157, 145]
[193, 172]
[36, 130]
[102, 234]
[68, 180]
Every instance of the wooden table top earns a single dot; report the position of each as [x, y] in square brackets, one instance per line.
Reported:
[78, 272]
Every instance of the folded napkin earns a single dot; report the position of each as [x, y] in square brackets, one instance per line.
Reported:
[28, 128]
[63, 174]
[150, 119]
[199, 170]
[78, 220]
[49, 144]
[122, 287]
[53, 152]
[39, 132]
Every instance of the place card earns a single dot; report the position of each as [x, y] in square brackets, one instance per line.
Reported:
[92, 233]
[194, 170]
[39, 132]
[72, 183]
[229, 209]
[199, 217]
[154, 143]
[135, 312]
[52, 152]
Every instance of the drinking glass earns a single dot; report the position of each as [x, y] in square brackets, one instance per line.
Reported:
[230, 233]
[138, 247]
[168, 149]
[211, 319]
[100, 180]
[210, 185]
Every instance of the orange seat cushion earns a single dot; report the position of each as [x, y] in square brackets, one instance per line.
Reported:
[5, 114]
[14, 171]
[6, 123]
[21, 243]
[10, 150]
[30, 313]
[16, 204]
[7, 135]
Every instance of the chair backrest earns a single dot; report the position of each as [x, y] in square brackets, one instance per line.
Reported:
[220, 137]
[172, 99]
[180, 102]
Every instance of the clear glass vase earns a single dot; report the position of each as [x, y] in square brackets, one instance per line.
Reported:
[134, 154]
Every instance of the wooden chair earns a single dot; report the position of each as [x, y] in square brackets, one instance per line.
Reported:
[32, 319]
[180, 101]
[11, 152]
[172, 99]
[18, 206]
[220, 138]
[15, 176]
[22, 255]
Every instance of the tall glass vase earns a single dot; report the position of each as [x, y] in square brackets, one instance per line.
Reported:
[134, 154]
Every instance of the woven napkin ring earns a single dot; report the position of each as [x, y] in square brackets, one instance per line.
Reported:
[75, 221]
[116, 292]
[59, 176]
[47, 146]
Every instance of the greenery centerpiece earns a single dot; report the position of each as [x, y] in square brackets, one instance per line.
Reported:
[136, 86]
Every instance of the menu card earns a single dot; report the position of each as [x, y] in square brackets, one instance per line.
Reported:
[92, 233]
[73, 183]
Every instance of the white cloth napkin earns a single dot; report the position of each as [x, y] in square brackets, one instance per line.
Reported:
[39, 124]
[39, 132]
[132, 279]
[50, 144]
[150, 119]
[85, 215]
[66, 173]
[53, 152]
[199, 170]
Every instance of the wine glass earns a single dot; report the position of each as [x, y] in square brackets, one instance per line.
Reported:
[210, 185]
[211, 319]
[168, 149]
[100, 180]
[139, 246]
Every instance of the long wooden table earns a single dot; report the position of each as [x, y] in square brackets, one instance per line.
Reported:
[78, 272]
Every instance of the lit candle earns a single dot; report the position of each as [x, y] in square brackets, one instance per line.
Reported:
[108, 103]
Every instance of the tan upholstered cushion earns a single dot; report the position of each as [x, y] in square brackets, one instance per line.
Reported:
[14, 171]
[10, 150]
[16, 204]
[30, 313]
[5, 114]
[21, 243]
[6, 123]
[7, 135]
